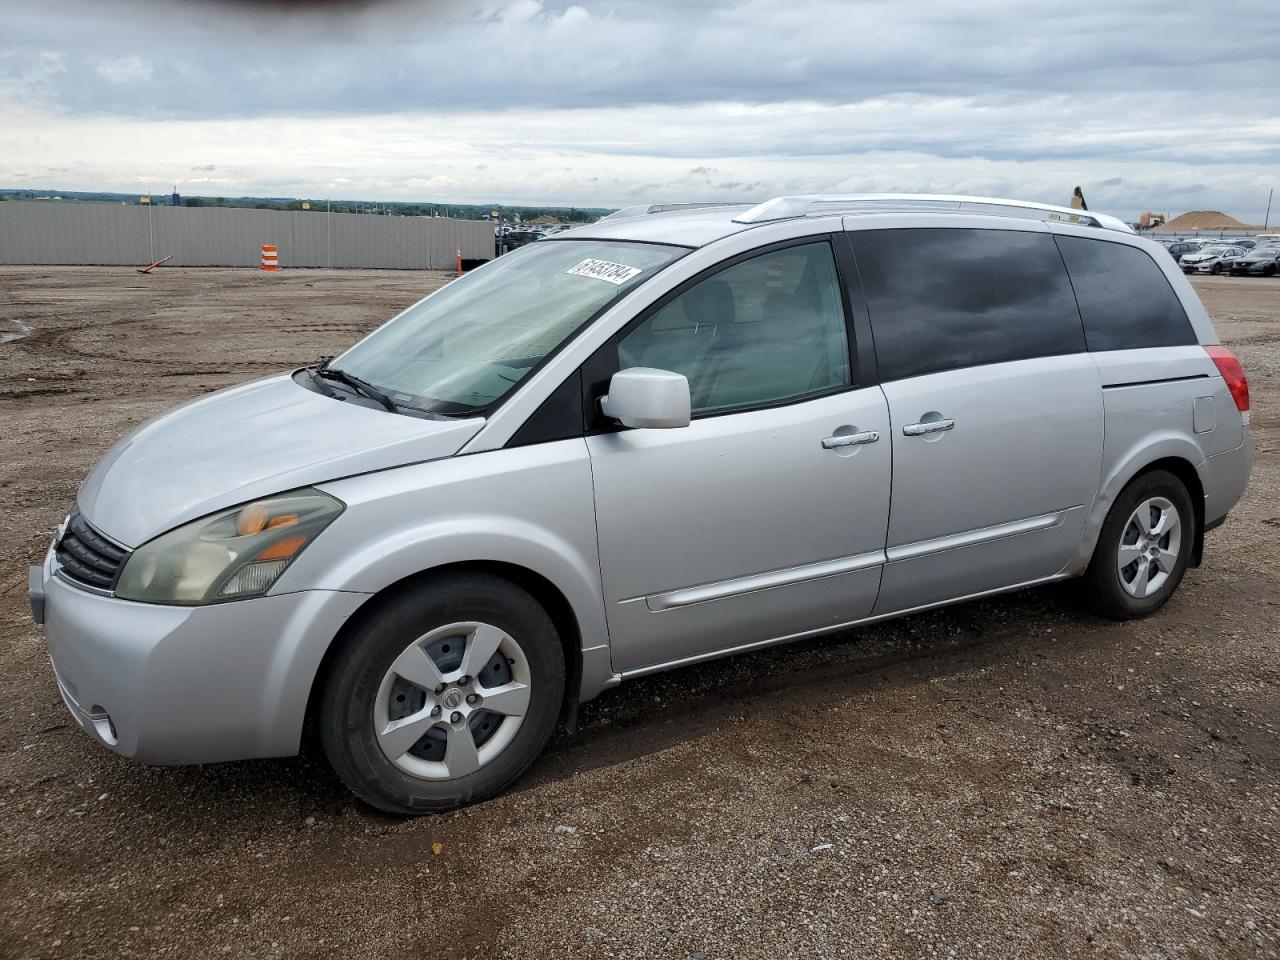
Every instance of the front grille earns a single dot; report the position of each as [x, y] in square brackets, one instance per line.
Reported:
[88, 557]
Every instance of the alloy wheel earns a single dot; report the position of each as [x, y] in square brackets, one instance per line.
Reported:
[452, 701]
[1149, 547]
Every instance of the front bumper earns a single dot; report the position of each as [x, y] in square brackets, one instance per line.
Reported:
[35, 592]
[172, 685]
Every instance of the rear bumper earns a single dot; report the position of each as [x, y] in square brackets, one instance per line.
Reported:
[1224, 477]
[173, 685]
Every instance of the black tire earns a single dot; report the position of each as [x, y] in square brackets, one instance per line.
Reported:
[1101, 588]
[1217, 269]
[346, 710]
[1269, 270]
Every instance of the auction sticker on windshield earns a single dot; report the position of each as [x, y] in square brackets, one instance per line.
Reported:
[615, 273]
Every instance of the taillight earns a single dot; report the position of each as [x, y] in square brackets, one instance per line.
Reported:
[1233, 373]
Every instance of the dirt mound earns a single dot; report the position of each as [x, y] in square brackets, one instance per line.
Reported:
[1204, 220]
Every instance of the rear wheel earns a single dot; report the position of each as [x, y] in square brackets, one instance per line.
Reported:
[443, 696]
[1143, 549]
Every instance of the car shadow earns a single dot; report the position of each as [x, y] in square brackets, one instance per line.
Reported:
[650, 714]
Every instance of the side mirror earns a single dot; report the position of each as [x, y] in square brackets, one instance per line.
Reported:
[644, 397]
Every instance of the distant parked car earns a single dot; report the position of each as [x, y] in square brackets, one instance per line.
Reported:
[1247, 242]
[1261, 262]
[1178, 248]
[518, 238]
[1213, 258]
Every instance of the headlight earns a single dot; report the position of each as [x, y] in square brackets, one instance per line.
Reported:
[230, 555]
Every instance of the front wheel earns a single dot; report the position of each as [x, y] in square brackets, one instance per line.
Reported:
[444, 695]
[1217, 269]
[1143, 549]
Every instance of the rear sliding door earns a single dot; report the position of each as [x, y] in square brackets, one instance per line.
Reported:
[994, 405]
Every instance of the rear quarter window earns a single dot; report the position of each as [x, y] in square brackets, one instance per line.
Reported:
[1125, 301]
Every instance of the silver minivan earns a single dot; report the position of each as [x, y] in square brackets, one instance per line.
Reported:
[683, 432]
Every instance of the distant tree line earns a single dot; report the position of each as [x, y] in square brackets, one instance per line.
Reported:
[472, 211]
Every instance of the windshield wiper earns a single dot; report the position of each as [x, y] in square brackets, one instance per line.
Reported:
[323, 387]
[323, 370]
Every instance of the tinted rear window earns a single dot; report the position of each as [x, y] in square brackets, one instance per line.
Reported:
[940, 299]
[1124, 298]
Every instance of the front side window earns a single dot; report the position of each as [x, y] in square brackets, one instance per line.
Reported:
[466, 346]
[946, 298]
[1125, 300]
[761, 332]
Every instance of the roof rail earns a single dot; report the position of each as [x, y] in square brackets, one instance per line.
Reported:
[786, 208]
[626, 213]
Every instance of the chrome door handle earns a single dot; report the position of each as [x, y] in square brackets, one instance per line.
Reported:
[850, 440]
[929, 426]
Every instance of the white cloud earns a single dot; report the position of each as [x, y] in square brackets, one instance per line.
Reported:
[130, 69]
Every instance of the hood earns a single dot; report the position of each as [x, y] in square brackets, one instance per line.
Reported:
[247, 442]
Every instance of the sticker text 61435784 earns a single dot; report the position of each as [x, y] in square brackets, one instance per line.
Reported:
[615, 273]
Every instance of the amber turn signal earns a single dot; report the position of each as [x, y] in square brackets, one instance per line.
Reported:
[283, 549]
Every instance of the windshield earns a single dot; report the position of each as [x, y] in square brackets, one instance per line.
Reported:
[468, 344]
[1214, 250]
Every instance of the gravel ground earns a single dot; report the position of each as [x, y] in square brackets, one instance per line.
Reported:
[1009, 778]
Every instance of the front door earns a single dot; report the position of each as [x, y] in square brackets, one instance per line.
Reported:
[995, 406]
[765, 517]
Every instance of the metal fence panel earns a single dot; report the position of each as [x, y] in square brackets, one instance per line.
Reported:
[50, 232]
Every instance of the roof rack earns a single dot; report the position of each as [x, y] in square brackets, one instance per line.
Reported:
[786, 208]
[626, 213]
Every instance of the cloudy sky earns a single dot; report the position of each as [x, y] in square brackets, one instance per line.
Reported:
[1164, 105]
